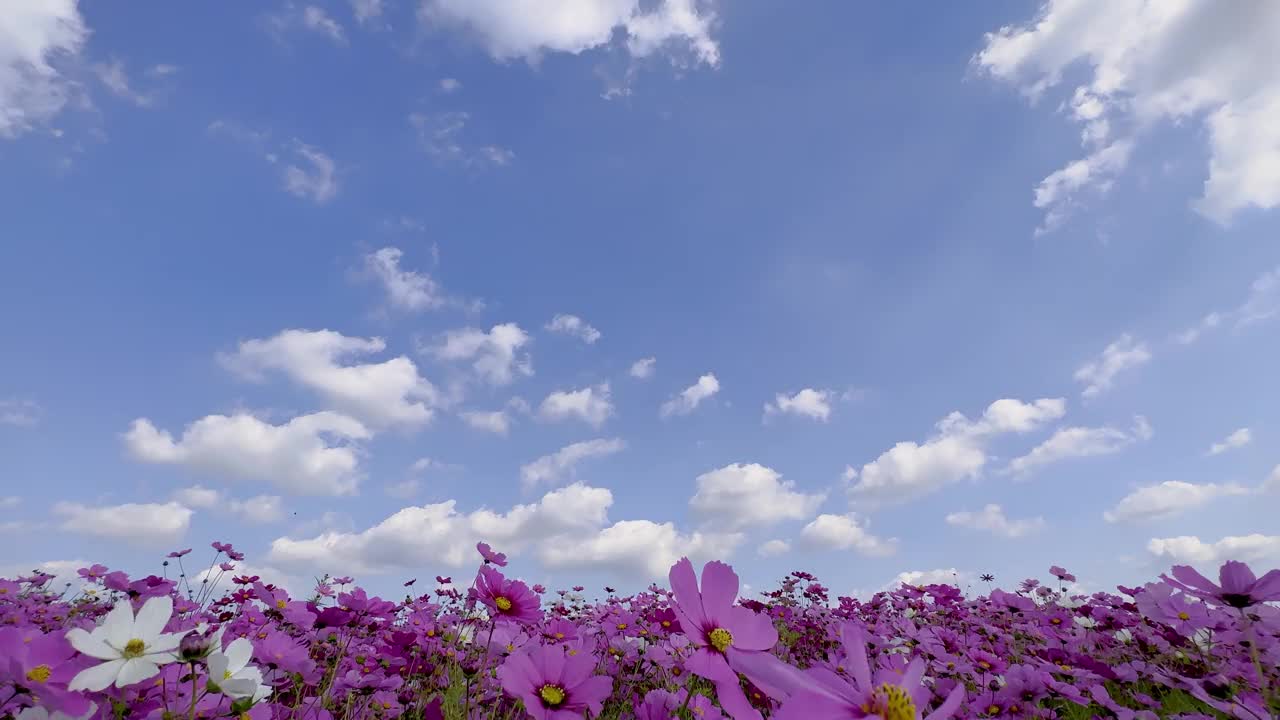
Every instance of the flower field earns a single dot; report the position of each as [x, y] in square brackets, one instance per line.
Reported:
[167, 646]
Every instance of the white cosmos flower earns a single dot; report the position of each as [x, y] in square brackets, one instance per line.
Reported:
[39, 713]
[133, 647]
[231, 673]
[1124, 635]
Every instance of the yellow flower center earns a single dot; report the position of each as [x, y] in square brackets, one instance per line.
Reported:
[431, 633]
[891, 702]
[280, 604]
[622, 626]
[720, 639]
[1183, 615]
[503, 604]
[1065, 668]
[993, 709]
[134, 648]
[226, 674]
[39, 673]
[984, 664]
[559, 636]
[666, 623]
[552, 695]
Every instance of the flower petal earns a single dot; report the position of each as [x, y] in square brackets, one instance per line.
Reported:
[948, 706]
[117, 626]
[751, 631]
[711, 665]
[98, 677]
[1190, 577]
[719, 590]
[684, 583]
[238, 654]
[1236, 577]
[779, 680]
[135, 671]
[152, 618]
[91, 644]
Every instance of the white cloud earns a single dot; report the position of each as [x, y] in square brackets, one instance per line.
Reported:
[1237, 439]
[810, 403]
[1262, 304]
[151, 524]
[198, 497]
[1272, 483]
[8, 502]
[441, 136]
[642, 548]
[366, 10]
[1191, 550]
[1123, 354]
[529, 29]
[689, 398]
[590, 404]
[992, 519]
[643, 368]
[297, 456]
[842, 532]
[849, 474]
[909, 470]
[1149, 63]
[575, 326]
[405, 289]
[920, 578]
[435, 534]
[40, 36]
[112, 75]
[494, 354]
[773, 548]
[549, 469]
[1168, 499]
[22, 413]
[449, 85]
[1057, 193]
[260, 509]
[1073, 442]
[493, 421]
[314, 177]
[64, 572]
[381, 394]
[294, 585]
[737, 496]
[317, 20]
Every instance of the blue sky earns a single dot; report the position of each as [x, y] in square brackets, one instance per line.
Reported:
[866, 218]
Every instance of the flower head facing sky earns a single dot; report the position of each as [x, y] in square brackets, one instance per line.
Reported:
[132, 647]
[506, 599]
[554, 684]
[1237, 586]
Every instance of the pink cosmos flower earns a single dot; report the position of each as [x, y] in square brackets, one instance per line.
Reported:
[554, 685]
[720, 631]
[178, 553]
[92, 573]
[490, 556]
[888, 695]
[506, 599]
[1239, 588]
[1061, 574]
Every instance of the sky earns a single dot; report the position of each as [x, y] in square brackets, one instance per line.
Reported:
[883, 293]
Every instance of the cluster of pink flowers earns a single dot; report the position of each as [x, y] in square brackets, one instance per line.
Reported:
[1183, 647]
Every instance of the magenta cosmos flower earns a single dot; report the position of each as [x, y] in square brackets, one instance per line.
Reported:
[1239, 588]
[719, 631]
[888, 695]
[506, 599]
[490, 556]
[553, 684]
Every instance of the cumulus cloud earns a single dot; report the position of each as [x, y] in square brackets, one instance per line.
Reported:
[844, 532]
[643, 368]
[773, 548]
[1237, 439]
[309, 455]
[809, 403]
[1148, 63]
[260, 509]
[40, 38]
[312, 176]
[149, 524]
[738, 496]
[1168, 499]
[315, 19]
[380, 394]
[1124, 354]
[1074, 442]
[638, 548]
[574, 326]
[406, 289]
[528, 30]
[992, 519]
[495, 355]
[434, 534]
[199, 497]
[441, 135]
[491, 421]
[549, 469]
[920, 578]
[691, 397]
[956, 452]
[590, 404]
[1191, 550]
